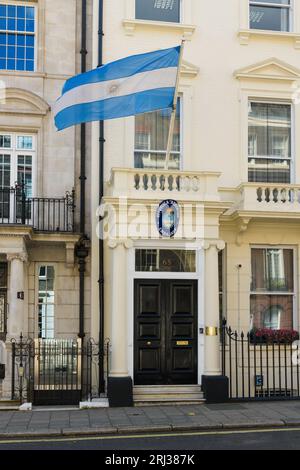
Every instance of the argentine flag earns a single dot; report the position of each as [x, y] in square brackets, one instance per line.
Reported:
[133, 85]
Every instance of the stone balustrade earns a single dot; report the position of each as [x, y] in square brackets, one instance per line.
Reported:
[164, 184]
[269, 197]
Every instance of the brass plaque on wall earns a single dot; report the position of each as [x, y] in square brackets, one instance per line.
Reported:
[182, 343]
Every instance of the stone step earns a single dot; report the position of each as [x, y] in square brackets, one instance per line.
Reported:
[6, 405]
[169, 394]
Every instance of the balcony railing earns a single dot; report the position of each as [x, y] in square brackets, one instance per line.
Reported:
[266, 197]
[41, 213]
[163, 184]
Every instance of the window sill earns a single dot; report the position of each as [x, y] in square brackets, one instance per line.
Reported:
[21, 73]
[245, 36]
[131, 26]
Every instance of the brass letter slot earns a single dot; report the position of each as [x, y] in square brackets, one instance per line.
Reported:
[182, 343]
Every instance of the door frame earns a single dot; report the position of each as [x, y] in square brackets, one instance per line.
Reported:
[198, 276]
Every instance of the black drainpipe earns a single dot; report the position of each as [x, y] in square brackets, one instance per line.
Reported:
[82, 247]
[101, 193]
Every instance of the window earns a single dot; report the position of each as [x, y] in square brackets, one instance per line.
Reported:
[46, 302]
[272, 288]
[17, 158]
[178, 261]
[3, 301]
[151, 139]
[158, 10]
[271, 15]
[17, 37]
[269, 142]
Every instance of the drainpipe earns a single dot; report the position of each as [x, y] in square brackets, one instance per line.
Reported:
[101, 194]
[82, 247]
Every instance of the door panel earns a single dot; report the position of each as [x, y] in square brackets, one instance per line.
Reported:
[149, 333]
[182, 332]
[165, 332]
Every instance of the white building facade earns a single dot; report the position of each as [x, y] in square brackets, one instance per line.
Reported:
[234, 173]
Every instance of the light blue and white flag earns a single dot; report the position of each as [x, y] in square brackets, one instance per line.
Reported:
[133, 85]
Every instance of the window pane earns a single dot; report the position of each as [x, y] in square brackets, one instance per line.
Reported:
[15, 19]
[262, 170]
[5, 141]
[269, 18]
[24, 142]
[151, 139]
[165, 261]
[269, 135]
[158, 10]
[272, 270]
[271, 311]
[46, 302]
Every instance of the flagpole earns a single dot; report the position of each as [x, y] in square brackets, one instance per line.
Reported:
[174, 108]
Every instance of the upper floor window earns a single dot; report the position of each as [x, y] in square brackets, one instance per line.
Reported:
[17, 37]
[151, 139]
[274, 15]
[17, 160]
[269, 142]
[158, 10]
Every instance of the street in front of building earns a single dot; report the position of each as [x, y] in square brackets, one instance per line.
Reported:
[179, 444]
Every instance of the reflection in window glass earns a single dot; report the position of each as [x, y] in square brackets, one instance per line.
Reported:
[152, 260]
[273, 17]
[46, 304]
[5, 141]
[272, 288]
[158, 10]
[151, 139]
[25, 142]
[269, 142]
[17, 37]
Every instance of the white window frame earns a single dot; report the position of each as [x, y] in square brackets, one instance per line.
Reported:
[261, 3]
[14, 152]
[38, 266]
[35, 34]
[293, 294]
[292, 159]
[181, 98]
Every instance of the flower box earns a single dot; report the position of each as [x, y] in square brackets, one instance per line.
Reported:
[268, 336]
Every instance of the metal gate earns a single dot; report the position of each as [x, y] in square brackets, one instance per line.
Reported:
[260, 369]
[57, 371]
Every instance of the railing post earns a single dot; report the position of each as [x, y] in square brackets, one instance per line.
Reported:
[223, 336]
[23, 202]
[13, 369]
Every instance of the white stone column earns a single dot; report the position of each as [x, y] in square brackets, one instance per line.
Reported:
[15, 320]
[212, 360]
[119, 318]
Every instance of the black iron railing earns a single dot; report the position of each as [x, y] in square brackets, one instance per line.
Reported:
[260, 370]
[57, 372]
[43, 214]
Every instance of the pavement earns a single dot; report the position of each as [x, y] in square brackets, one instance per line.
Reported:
[110, 421]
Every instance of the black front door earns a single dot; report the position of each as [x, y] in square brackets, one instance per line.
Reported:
[165, 332]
